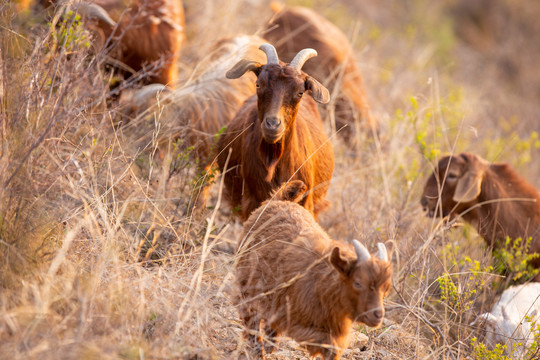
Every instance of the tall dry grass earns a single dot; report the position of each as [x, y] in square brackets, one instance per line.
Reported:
[99, 256]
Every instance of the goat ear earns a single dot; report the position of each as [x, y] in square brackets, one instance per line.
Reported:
[242, 67]
[342, 266]
[390, 247]
[318, 92]
[468, 186]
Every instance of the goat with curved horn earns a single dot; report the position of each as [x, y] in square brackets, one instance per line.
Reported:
[304, 55]
[277, 132]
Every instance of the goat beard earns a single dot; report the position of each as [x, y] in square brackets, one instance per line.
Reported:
[270, 155]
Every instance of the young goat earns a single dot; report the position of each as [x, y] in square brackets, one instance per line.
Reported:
[492, 197]
[277, 135]
[295, 280]
[506, 323]
[292, 29]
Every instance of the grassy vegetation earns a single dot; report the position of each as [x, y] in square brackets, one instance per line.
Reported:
[100, 259]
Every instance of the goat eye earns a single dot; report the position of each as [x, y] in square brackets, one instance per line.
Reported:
[451, 177]
[357, 285]
[300, 94]
[257, 85]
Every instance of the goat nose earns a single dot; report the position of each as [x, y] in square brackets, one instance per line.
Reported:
[378, 314]
[272, 122]
[424, 204]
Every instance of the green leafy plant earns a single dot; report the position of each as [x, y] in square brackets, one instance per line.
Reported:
[534, 348]
[514, 259]
[481, 352]
[70, 34]
[459, 289]
[518, 150]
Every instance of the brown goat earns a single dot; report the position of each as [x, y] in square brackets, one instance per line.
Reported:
[491, 196]
[147, 35]
[296, 28]
[277, 136]
[296, 281]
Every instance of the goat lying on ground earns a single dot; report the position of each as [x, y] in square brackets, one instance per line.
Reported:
[506, 323]
[146, 36]
[296, 28]
[295, 280]
[277, 136]
[492, 197]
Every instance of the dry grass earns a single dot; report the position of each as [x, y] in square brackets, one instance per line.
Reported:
[99, 258]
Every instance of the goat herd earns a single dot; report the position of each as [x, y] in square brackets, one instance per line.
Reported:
[277, 163]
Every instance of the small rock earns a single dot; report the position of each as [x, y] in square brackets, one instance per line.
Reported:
[359, 341]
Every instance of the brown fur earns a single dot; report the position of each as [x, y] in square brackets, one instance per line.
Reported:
[494, 220]
[295, 28]
[257, 166]
[148, 35]
[296, 281]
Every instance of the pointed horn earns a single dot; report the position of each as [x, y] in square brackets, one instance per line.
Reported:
[271, 53]
[93, 11]
[361, 252]
[383, 254]
[302, 57]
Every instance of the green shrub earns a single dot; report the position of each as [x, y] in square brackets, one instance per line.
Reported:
[459, 289]
[514, 259]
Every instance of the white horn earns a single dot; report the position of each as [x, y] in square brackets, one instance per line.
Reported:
[302, 57]
[383, 254]
[361, 252]
[271, 53]
[94, 11]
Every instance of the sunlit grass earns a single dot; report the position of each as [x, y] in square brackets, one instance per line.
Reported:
[99, 257]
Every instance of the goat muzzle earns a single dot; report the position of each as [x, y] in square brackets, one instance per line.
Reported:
[373, 318]
[272, 129]
[427, 207]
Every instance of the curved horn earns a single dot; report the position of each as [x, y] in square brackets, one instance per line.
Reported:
[361, 252]
[93, 11]
[302, 57]
[271, 53]
[383, 254]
